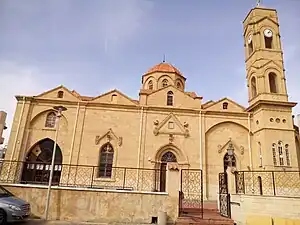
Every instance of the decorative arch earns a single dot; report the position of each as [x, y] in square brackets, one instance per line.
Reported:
[46, 112]
[168, 157]
[146, 82]
[179, 84]
[150, 85]
[223, 122]
[180, 155]
[38, 162]
[263, 37]
[163, 77]
[50, 120]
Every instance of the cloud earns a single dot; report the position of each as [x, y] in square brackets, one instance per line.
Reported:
[72, 26]
[16, 79]
[61, 40]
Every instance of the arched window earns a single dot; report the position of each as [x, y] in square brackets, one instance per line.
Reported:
[268, 42]
[253, 87]
[168, 157]
[165, 83]
[50, 120]
[106, 161]
[280, 152]
[272, 82]
[287, 155]
[225, 105]
[260, 154]
[170, 98]
[178, 85]
[150, 85]
[114, 98]
[274, 154]
[250, 47]
[60, 94]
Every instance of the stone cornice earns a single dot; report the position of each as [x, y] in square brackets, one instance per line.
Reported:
[236, 114]
[266, 102]
[270, 128]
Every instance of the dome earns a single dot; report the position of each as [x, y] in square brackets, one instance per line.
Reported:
[164, 67]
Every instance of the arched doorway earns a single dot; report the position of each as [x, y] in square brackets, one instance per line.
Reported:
[166, 157]
[38, 162]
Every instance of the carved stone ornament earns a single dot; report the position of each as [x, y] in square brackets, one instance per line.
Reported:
[171, 138]
[230, 144]
[109, 135]
[173, 166]
[120, 141]
[186, 133]
[222, 147]
[242, 149]
[155, 131]
[219, 148]
[161, 127]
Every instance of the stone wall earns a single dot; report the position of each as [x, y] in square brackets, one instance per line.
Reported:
[263, 210]
[86, 205]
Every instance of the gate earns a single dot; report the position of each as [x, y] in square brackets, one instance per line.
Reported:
[191, 193]
[224, 196]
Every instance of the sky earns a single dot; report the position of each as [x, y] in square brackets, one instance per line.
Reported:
[94, 46]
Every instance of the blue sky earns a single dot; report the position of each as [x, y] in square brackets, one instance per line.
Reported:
[94, 46]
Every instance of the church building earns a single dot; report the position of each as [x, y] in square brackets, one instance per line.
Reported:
[167, 123]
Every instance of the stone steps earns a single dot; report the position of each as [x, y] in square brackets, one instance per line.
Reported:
[210, 216]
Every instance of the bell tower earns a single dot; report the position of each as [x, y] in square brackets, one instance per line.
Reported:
[273, 136]
[264, 56]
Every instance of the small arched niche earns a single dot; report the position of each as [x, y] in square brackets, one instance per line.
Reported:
[253, 87]
[273, 82]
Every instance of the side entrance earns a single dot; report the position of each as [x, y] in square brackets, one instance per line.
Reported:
[224, 196]
[191, 193]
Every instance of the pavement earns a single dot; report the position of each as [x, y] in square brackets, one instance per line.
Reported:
[43, 222]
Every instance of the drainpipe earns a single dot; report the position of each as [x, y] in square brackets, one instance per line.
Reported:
[18, 130]
[140, 144]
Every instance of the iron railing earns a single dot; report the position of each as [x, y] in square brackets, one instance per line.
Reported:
[119, 178]
[268, 183]
[191, 194]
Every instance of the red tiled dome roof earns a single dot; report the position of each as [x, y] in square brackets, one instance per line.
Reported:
[164, 67]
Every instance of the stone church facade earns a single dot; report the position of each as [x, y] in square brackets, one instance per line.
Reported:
[169, 124]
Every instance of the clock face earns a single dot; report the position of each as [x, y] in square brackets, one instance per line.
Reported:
[268, 33]
[249, 38]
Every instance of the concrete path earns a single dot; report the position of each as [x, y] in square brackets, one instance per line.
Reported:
[42, 222]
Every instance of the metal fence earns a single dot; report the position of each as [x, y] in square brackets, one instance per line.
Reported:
[191, 194]
[268, 183]
[119, 178]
